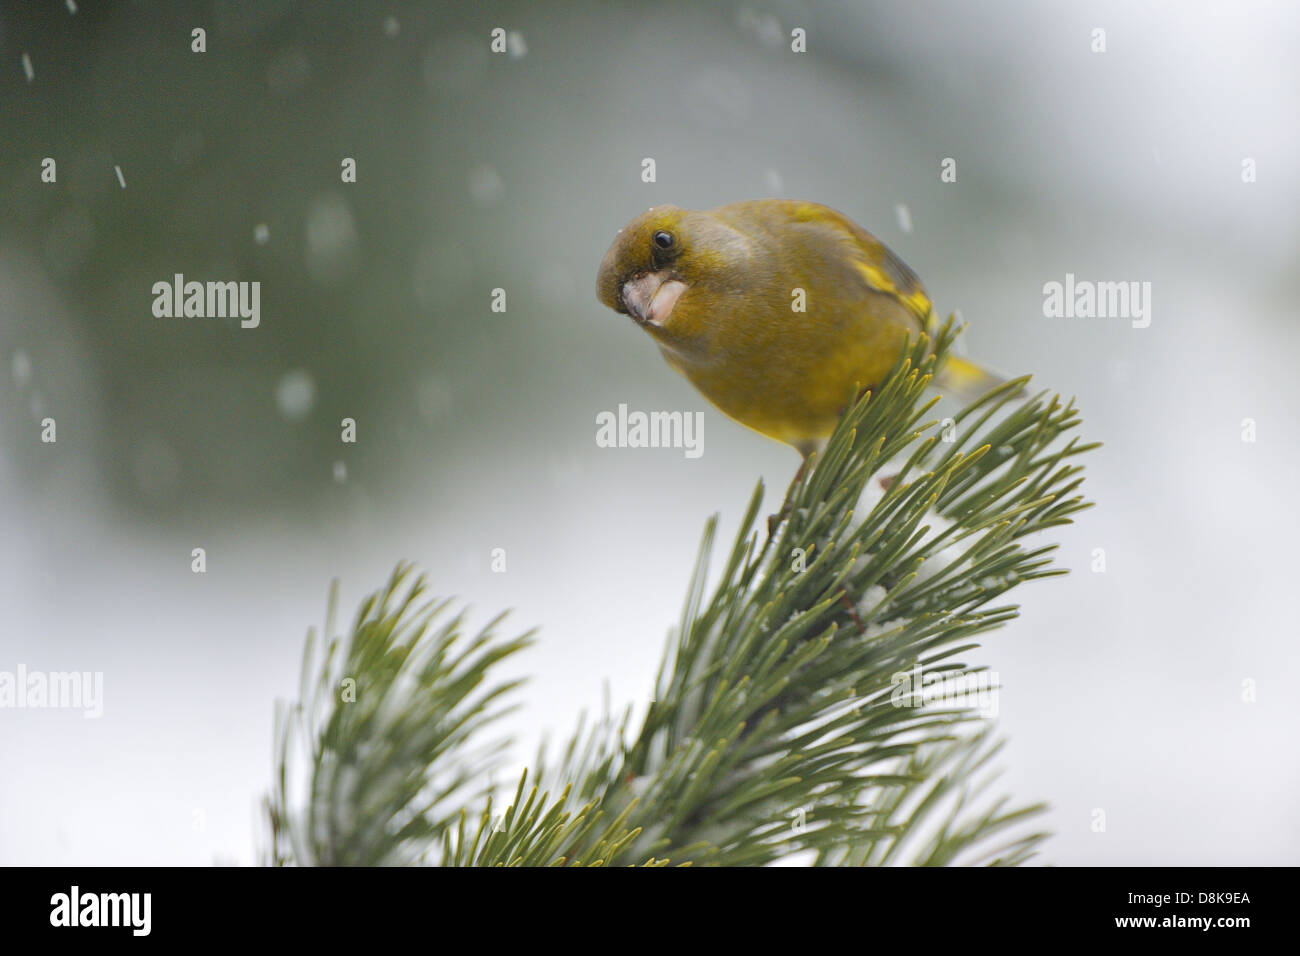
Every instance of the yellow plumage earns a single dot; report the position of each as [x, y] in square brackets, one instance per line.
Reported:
[779, 312]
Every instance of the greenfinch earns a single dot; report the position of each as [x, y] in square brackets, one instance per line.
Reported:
[780, 312]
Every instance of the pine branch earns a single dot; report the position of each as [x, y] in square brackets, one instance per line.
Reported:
[777, 726]
[384, 721]
[775, 703]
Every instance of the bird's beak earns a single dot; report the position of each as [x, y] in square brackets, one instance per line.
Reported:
[650, 298]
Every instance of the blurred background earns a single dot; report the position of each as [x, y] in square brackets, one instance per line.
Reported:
[1122, 689]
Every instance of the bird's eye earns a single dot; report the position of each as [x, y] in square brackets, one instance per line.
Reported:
[664, 240]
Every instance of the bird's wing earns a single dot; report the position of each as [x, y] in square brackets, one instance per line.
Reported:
[883, 271]
[864, 257]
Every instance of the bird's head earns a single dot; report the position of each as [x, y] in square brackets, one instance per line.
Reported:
[664, 256]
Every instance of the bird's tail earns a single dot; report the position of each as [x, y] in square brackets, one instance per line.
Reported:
[968, 380]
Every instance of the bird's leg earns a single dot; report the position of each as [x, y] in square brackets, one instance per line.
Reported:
[788, 504]
[853, 611]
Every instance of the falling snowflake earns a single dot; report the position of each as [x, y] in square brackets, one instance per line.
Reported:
[21, 367]
[295, 395]
[904, 217]
[485, 185]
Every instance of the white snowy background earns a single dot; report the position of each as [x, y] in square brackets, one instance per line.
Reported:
[1122, 691]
